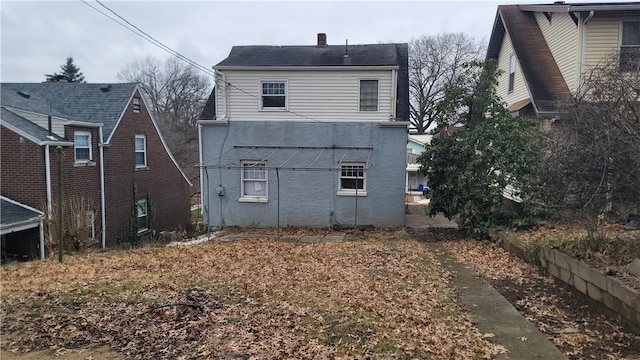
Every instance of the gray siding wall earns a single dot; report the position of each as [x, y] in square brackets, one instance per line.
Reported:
[308, 180]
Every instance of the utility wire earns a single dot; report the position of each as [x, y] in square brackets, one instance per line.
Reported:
[129, 26]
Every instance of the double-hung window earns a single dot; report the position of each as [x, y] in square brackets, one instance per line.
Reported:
[630, 46]
[254, 181]
[142, 211]
[368, 95]
[352, 179]
[141, 151]
[274, 95]
[512, 72]
[82, 146]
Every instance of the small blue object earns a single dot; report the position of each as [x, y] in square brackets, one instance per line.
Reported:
[420, 187]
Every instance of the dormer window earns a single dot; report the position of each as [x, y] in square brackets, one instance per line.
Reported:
[82, 146]
[274, 95]
[136, 104]
[368, 95]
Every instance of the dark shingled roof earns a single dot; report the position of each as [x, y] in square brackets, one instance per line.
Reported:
[209, 110]
[330, 55]
[14, 213]
[542, 75]
[75, 101]
[27, 126]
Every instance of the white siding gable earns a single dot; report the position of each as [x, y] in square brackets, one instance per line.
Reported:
[561, 35]
[318, 94]
[520, 91]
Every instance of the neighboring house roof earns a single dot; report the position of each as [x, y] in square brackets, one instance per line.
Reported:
[86, 102]
[328, 56]
[542, 75]
[209, 110]
[421, 140]
[17, 216]
[27, 129]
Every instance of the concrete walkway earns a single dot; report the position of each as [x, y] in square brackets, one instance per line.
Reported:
[490, 312]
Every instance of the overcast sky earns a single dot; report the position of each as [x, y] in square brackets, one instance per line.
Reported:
[37, 37]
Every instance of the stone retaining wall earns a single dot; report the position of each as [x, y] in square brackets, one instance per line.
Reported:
[611, 291]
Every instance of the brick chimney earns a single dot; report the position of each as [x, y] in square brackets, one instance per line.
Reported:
[322, 40]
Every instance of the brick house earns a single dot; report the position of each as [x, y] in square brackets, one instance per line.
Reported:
[307, 136]
[111, 145]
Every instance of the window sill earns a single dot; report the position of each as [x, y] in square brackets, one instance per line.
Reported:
[351, 193]
[142, 231]
[142, 168]
[281, 109]
[84, 164]
[263, 200]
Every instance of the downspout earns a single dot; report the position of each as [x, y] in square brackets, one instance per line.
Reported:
[394, 94]
[102, 195]
[583, 51]
[47, 173]
[202, 208]
[42, 237]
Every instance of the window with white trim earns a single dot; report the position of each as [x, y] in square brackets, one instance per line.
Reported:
[82, 146]
[352, 179]
[136, 104]
[512, 72]
[368, 95]
[630, 46]
[274, 95]
[141, 151]
[85, 223]
[254, 181]
[143, 213]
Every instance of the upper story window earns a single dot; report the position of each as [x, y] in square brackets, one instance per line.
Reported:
[136, 104]
[352, 179]
[274, 95]
[368, 95]
[254, 181]
[141, 151]
[82, 146]
[630, 46]
[512, 72]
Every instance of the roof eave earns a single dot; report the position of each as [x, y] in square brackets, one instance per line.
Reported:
[576, 8]
[308, 68]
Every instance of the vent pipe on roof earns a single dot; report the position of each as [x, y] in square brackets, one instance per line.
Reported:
[106, 88]
[322, 40]
[23, 94]
[346, 48]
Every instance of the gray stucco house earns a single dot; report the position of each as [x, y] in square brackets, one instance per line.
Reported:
[306, 136]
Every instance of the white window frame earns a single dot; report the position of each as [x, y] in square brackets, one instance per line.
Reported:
[627, 46]
[285, 95]
[142, 210]
[245, 181]
[136, 105]
[76, 147]
[512, 74]
[143, 151]
[87, 217]
[360, 99]
[352, 191]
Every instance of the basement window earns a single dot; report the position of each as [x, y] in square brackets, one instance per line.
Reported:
[142, 211]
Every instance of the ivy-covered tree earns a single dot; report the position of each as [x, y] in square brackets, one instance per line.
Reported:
[71, 71]
[495, 154]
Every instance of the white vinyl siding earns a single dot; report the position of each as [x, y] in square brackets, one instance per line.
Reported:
[324, 95]
[562, 38]
[520, 91]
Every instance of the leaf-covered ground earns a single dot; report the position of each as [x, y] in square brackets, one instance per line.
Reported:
[579, 329]
[381, 297]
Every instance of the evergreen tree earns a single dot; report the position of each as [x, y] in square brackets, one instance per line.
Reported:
[470, 170]
[71, 71]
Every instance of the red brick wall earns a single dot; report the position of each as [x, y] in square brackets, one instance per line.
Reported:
[167, 190]
[24, 175]
[22, 169]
